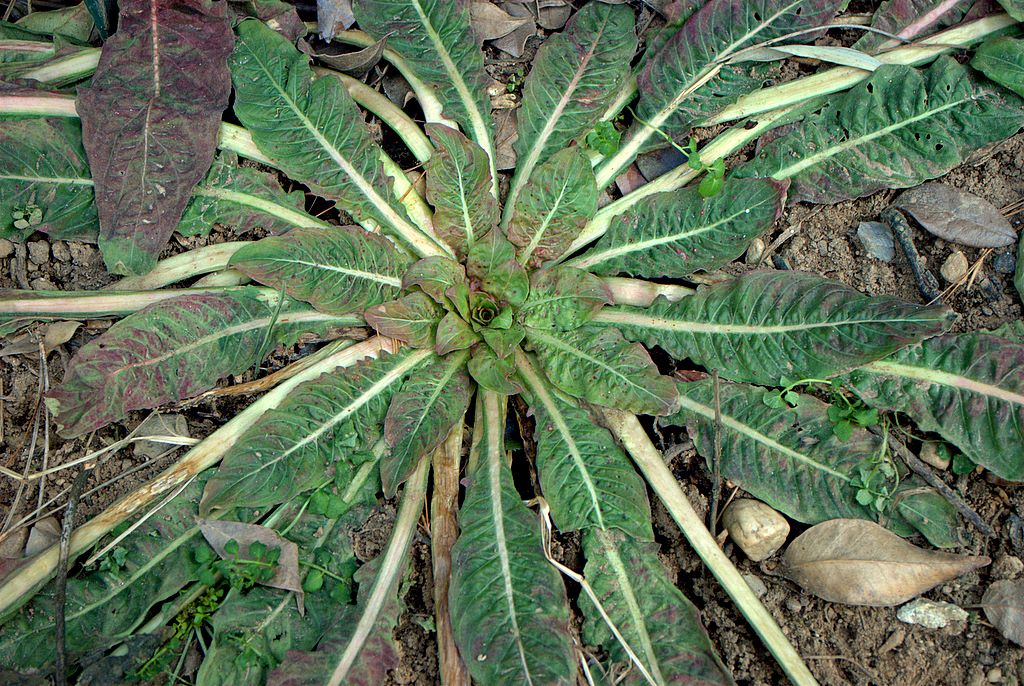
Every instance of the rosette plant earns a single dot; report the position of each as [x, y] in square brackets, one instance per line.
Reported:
[452, 294]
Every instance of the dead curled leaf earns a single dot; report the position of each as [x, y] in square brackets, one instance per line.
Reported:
[56, 335]
[957, 216]
[286, 574]
[856, 562]
[1004, 607]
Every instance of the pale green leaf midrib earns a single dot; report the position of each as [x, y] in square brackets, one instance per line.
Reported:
[556, 205]
[355, 273]
[566, 348]
[350, 409]
[262, 322]
[481, 134]
[300, 219]
[811, 160]
[56, 180]
[943, 378]
[455, 361]
[364, 186]
[645, 321]
[753, 434]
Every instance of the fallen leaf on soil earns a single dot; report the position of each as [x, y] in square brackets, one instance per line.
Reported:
[1004, 607]
[504, 138]
[286, 574]
[553, 13]
[857, 562]
[355, 64]
[515, 42]
[332, 14]
[159, 425]
[42, 535]
[490, 21]
[956, 215]
[57, 334]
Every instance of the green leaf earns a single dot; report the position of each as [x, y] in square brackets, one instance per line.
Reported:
[423, 413]
[788, 457]
[684, 81]
[659, 624]
[453, 333]
[105, 606]
[1015, 8]
[42, 164]
[324, 423]
[1002, 60]
[931, 514]
[73, 23]
[585, 476]
[969, 388]
[310, 127]
[339, 269]
[412, 318]
[909, 19]
[242, 199]
[767, 326]
[173, 350]
[675, 234]
[600, 366]
[254, 630]
[150, 119]
[458, 185]
[435, 38]
[563, 298]
[492, 372]
[492, 262]
[897, 129]
[559, 198]
[434, 276]
[575, 76]
[509, 611]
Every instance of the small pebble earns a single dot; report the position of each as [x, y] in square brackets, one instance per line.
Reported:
[1005, 262]
[1007, 567]
[755, 251]
[42, 284]
[38, 252]
[794, 605]
[756, 585]
[877, 240]
[955, 267]
[995, 675]
[6, 248]
[930, 454]
[755, 527]
[894, 641]
[931, 614]
[60, 251]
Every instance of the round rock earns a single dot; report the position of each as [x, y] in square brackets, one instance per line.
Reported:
[756, 528]
[955, 267]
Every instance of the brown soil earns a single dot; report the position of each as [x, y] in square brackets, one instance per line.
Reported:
[843, 645]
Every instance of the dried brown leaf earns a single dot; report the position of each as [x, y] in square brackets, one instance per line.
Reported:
[1004, 607]
[957, 216]
[490, 21]
[857, 562]
[56, 335]
[356, 64]
[515, 42]
[286, 574]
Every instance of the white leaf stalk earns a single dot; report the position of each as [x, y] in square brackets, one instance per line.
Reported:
[634, 439]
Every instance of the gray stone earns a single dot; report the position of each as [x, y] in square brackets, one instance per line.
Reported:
[931, 614]
[1005, 262]
[38, 252]
[756, 585]
[877, 240]
[6, 248]
[1007, 567]
[755, 251]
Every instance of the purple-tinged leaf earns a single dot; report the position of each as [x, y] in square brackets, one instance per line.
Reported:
[422, 414]
[173, 350]
[563, 298]
[453, 333]
[412, 318]
[895, 130]
[658, 622]
[434, 275]
[336, 269]
[957, 216]
[150, 119]
[600, 366]
[910, 19]
[286, 571]
[278, 15]
[458, 185]
[493, 373]
[492, 263]
[969, 388]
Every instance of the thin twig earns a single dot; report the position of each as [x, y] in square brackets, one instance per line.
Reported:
[922, 470]
[60, 596]
[716, 468]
